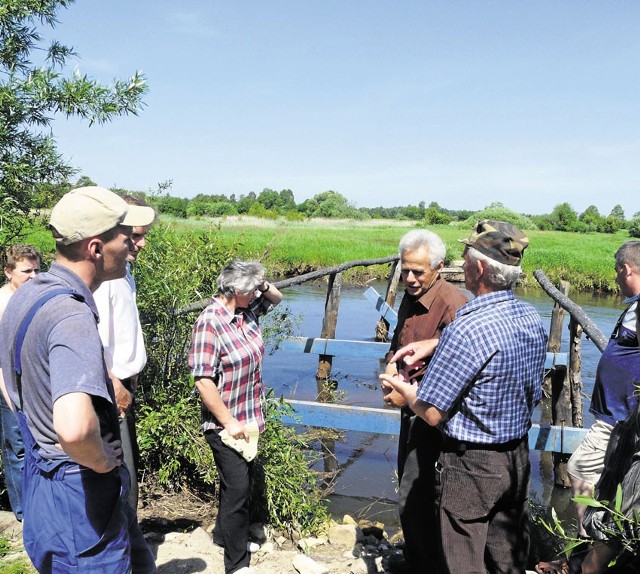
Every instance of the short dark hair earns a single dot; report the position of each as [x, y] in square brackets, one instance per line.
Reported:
[17, 252]
[629, 253]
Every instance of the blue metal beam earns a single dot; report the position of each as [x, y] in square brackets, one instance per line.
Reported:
[387, 421]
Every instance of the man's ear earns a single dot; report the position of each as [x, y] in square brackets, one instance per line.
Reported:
[94, 248]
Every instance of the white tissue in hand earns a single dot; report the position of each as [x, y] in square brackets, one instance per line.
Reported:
[248, 449]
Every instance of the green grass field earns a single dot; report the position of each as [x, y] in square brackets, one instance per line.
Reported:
[289, 248]
[585, 260]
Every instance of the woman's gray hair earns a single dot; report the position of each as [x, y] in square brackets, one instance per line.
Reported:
[424, 238]
[500, 276]
[240, 277]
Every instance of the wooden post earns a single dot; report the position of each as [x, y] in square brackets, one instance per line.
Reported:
[575, 372]
[557, 384]
[329, 330]
[382, 327]
[323, 376]
[557, 320]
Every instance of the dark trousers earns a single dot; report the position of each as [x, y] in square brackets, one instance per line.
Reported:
[482, 498]
[12, 456]
[130, 452]
[418, 450]
[232, 525]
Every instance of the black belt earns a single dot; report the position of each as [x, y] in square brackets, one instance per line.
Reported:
[460, 446]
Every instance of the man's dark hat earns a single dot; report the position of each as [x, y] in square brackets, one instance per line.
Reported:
[498, 240]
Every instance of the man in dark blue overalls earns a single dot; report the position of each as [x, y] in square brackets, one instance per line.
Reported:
[76, 518]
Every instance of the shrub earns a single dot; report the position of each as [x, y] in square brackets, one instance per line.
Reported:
[290, 494]
[634, 227]
[293, 215]
[176, 206]
[498, 212]
[435, 217]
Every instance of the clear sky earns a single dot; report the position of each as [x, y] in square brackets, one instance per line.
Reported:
[463, 102]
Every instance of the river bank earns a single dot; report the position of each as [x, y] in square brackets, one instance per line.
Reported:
[182, 546]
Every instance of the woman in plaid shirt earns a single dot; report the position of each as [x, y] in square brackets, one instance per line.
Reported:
[226, 361]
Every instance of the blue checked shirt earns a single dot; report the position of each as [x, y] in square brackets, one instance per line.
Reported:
[487, 370]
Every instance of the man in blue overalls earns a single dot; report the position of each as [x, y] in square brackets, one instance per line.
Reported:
[76, 518]
[614, 395]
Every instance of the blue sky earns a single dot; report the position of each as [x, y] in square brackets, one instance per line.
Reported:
[530, 103]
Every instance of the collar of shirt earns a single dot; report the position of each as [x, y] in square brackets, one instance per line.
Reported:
[484, 300]
[222, 311]
[427, 299]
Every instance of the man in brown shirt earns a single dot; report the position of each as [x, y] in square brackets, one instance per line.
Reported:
[428, 305]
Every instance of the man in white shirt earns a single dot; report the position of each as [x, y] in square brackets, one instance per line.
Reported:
[125, 355]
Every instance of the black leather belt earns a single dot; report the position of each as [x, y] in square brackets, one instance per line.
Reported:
[461, 446]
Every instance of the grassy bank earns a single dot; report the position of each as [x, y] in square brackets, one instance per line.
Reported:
[585, 260]
[290, 248]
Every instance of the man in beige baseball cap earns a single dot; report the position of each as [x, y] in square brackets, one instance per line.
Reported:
[89, 211]
[53, 364]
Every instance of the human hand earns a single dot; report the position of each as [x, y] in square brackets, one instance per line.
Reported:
[392, 397]
[124, 398]
[112, 450]
[236, 429]
[397, 390]
[413, 353]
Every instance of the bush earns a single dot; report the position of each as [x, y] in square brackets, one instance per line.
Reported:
[293, 215]
[498, 212]
[176, 206]
[435, 217]
[290, 494]
[634, 227]
[211, 209]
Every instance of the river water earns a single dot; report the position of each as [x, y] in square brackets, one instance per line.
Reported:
[366, 483]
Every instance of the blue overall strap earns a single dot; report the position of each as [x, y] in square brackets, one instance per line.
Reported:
[24, 325]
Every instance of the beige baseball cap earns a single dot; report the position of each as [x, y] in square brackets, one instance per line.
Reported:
[90, 211]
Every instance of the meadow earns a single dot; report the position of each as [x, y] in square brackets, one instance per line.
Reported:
[289, 248]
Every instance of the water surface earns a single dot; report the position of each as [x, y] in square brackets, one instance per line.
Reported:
[368, 462]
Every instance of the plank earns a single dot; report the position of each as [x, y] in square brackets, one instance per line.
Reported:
[386, 312]
[387, 421]
[368, 349]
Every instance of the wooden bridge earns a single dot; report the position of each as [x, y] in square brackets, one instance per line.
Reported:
[550, 438]
[563, 381]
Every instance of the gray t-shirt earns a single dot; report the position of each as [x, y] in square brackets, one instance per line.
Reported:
[61, 354]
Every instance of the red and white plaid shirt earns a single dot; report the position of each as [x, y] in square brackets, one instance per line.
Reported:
[228, 348]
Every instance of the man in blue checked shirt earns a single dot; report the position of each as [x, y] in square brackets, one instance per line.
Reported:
[480, 389]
